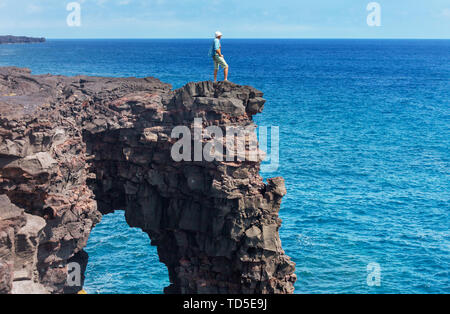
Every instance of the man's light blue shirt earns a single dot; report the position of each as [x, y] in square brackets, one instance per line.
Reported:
[215, 46]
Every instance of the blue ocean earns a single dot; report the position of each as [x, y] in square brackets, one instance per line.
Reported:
[364, 148]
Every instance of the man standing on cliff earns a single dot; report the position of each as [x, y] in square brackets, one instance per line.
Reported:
[219, 61]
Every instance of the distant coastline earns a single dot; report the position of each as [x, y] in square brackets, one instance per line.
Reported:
[9, 39]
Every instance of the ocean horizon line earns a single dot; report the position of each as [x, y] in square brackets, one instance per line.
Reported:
[241, 38]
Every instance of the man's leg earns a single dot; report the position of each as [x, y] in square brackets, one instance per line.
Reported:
[225, 73]
[215, 75]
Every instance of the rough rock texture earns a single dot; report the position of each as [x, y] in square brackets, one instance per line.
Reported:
[72, 149]
[19, 237]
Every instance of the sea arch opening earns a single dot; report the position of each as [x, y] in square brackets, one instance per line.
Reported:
[122, 247]
[121, 260]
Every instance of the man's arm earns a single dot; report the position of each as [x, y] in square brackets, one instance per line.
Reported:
[218, 47]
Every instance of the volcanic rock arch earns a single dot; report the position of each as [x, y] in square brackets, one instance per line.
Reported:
[75, 148]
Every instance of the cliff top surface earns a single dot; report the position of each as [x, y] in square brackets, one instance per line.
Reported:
[22, 93]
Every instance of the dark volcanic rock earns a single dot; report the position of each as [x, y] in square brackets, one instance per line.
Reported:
[9, 39]
[72, 149]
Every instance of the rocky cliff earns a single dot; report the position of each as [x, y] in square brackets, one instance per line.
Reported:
[75, 148]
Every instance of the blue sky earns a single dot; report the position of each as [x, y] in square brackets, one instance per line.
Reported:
[235, 18]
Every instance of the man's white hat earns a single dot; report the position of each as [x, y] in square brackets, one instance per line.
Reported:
[218, 34]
